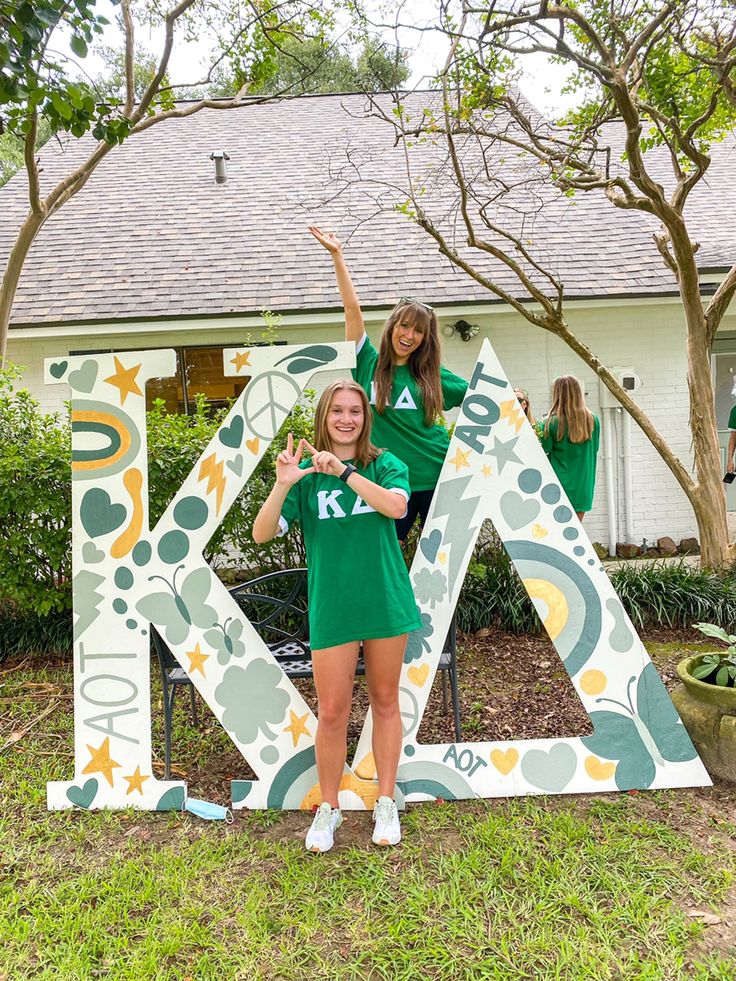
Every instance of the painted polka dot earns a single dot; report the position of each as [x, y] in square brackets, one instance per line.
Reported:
[173, 547]
[409, 750]
[570, 534]
[144, 632]
[123, 578]
[530, 481]
[269, 755]
[551, 494]
[591, 561]
[593, 682]
[119, 605]
[191, 513]
[579, 550]
[562, 514]
[131, 624]
[141, 553]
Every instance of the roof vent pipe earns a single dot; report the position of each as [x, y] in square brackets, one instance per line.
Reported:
[219, 156]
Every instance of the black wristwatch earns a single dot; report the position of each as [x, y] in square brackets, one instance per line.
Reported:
[349, 468]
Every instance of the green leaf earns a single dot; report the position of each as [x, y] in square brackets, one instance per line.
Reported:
[722, 676]
[711, 630]
[78, 46]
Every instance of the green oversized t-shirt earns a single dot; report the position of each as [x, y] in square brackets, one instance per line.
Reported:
[401, 428]
[358, 582]
[732, 420]
[574, 463]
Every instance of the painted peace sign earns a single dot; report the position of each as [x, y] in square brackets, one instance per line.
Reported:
[411, 714]
[269, 398]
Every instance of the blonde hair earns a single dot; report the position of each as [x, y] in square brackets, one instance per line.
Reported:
[520, 394]
[424, 362]
[365, 451]
[569, 408]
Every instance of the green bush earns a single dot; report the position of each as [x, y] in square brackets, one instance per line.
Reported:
[675, 594]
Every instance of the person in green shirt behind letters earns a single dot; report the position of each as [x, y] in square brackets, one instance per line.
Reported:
[570, 439]
[407, 386]
[346, 499]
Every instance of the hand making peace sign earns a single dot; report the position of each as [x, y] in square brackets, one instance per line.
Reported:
[288, 471]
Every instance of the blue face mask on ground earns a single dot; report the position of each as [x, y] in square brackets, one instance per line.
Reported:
[207, 810]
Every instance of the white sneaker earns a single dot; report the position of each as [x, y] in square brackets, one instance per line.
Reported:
[321, 836]
[387, 830]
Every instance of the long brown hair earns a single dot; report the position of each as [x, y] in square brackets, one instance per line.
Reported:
[523, 396]
[569, 408]
[365, 451]
[424, 362]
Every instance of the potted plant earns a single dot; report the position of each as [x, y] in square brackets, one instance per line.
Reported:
[706, 702]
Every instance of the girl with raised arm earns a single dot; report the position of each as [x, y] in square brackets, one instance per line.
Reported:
[407, 386]
[346, 498]
[570, 439]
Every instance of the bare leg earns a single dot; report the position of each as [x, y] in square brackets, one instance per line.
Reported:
[383, 659]
[334, 670]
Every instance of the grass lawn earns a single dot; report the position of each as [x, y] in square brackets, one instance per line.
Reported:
[622, 886]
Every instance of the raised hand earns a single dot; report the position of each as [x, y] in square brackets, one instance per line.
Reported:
[328, 240]
[323, 461]
[288, 471]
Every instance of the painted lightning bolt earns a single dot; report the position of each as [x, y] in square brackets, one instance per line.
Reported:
[213, 470]
[511, 410]
[458, 534]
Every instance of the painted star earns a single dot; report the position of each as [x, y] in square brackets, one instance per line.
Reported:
[196, 660]
[487, 471]
[100, 761]
[297, 727]
[135, 781]
[241, 360]
[504, 452]
[461, 459]
[124, 379]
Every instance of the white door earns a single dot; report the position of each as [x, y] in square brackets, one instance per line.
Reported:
[724, 385]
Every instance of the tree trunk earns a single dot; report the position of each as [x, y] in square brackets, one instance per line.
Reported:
[708, 499]
[28, 231]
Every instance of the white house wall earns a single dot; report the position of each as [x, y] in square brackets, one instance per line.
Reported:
[648, 337]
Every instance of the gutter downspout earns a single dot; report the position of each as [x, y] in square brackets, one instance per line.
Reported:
[608, 469]
[628, 486]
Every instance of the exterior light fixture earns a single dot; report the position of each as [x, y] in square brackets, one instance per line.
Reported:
[219, 156]
[463, 329]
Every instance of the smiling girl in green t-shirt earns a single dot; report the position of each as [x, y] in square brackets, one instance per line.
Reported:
[346, 498]
[407, 386]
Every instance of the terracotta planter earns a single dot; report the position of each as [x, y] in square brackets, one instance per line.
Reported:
[708, 712]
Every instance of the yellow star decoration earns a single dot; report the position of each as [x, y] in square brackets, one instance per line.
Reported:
[461, 459]
[241, 360]
[100, 761]
[487, 471]
[124, 379]
[297, 726]
[196, 660]
[135, 782]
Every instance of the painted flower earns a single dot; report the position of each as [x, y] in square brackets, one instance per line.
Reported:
[430, 587]
[225, 638]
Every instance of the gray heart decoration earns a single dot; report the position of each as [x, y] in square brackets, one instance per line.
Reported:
[84, 378]
[99, 515]
[91, 554]
[551, 770]
[517, 512]
[236, 465]
[84, 795]
[232, 435]
[430, 545]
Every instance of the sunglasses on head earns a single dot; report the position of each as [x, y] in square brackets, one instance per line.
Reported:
[404, 300]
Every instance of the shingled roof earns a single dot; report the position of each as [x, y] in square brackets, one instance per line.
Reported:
[153, 236]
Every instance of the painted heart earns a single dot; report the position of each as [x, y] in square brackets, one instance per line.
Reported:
[253, 445]
[58, 368]
[84, 795]
[91, 554]
[84, 378]
[232, 435]
[550, 770]
[99, 515]
[597, 770]
[539, 532]
[504, 762]
[516, 511]
[418, 675]
[430, 544]
[236, 465]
